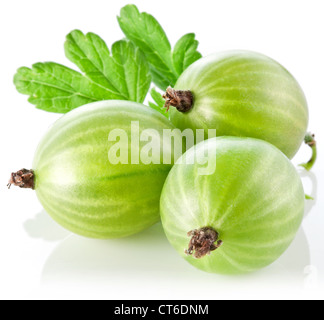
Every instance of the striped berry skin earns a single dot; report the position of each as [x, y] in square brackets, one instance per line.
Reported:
[252, 205]
[78, 185]
[245, 94]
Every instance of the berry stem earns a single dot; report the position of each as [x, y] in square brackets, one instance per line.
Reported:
[308, 197]
[23, 179]
[180, 99]
[202, 242]
[311, 142]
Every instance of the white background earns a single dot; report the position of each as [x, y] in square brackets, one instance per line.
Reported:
[40, 260]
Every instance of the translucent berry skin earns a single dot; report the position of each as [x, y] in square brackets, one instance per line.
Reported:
[254, 200]
[245, 94]
[78, 185]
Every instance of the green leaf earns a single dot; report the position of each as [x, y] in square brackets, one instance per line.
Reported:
[125, 72]
[185, 52]
[122, 75]
[147, 34]
[159, 102]
[56, 88]
[134, 70]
